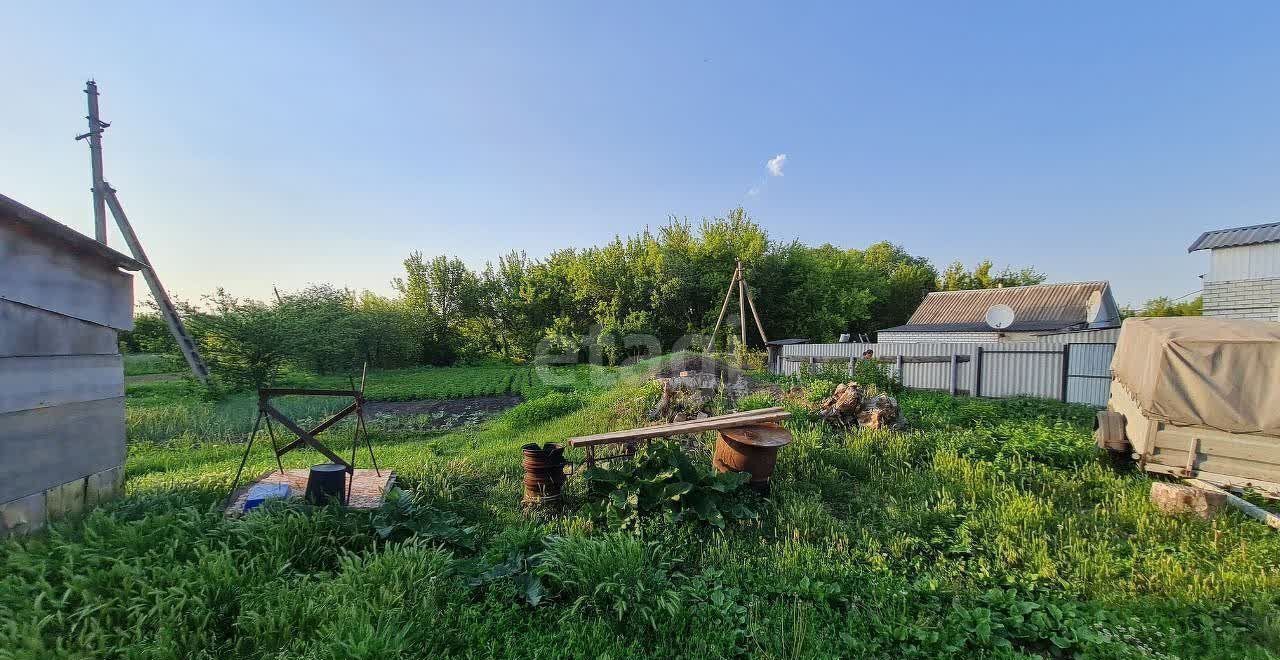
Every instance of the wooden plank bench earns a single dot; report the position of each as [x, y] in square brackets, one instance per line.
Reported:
[716, 423]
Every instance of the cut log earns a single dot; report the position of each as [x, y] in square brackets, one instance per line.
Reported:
[1253, 511]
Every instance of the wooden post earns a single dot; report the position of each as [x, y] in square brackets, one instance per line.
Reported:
[742, 315]
[852, 363]
[900, 378]
[723, 308]
[955, 372]
[751, 301]
[977, 372]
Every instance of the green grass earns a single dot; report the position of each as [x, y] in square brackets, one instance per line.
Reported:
[989, 530]
[165, 411]
[433, 382]
[141, 364]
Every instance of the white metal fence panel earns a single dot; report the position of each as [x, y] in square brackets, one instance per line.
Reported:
[1089, 373]
[1029, 372]
[1007, 369]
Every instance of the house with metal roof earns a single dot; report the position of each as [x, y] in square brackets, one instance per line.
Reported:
[1037, 310]
[1243, 281]
[63, 299]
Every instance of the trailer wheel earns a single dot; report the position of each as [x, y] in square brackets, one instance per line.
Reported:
[1108, 432]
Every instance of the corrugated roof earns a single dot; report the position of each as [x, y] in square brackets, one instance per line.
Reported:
[1017, 326]
[1047, 306]
[1222, 238]
[35, 222]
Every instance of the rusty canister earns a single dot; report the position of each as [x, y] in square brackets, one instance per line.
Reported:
[543, 473]
[752, 449]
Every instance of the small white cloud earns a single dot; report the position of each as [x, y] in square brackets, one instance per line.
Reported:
[775, 164]
[753, 191]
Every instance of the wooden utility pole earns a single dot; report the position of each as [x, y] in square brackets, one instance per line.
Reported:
[105, 196]
[95, 163]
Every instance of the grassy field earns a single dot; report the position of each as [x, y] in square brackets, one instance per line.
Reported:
[988, 530]
[170, 410]
[142, 364]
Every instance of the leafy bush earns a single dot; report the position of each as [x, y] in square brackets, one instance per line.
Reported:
[245, 342]
[817, 389]
[877, 374]
[405, 514]
[662, 479]
[150, 334]
[756, 401]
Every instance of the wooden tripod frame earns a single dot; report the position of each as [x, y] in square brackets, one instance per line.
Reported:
[268, 411]
[744, 299]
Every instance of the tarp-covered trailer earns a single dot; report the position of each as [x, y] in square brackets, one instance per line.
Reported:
[1198, 397]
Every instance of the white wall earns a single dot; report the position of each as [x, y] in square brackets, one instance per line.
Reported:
[935, 337]
[1247, 262]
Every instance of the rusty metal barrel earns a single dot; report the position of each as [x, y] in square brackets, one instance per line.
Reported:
[543, 473]
[752, 449]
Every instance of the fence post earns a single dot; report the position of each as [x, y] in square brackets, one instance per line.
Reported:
[900, 378]
[852, 360]
[955, 372]
[977, 372]
[1066, 370]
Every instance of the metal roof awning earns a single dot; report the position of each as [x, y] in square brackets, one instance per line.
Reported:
[1237, 237]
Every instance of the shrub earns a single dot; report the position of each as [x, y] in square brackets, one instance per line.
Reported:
[244, 341]
[756, 401]
[663, 480]
[877, 374]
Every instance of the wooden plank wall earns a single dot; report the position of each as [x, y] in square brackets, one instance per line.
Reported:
[44, 275]
[61, 400]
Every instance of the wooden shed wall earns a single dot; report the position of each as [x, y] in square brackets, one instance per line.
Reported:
[62, 417]
[44, 274]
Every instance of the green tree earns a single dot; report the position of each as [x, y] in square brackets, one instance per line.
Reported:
[245, 342]
[1163, 306]
[327, 331]
[150, 334]
[957, 278]
[440, 294]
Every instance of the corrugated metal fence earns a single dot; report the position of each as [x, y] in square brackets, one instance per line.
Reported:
[1053, 369]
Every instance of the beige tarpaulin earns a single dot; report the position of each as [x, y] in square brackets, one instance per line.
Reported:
[1195, 371]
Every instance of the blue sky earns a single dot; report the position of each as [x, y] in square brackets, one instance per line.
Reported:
[269, 143]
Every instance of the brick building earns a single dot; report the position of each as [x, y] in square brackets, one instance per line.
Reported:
[1243, 281]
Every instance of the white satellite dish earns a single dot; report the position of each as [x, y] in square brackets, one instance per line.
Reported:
[999, 317]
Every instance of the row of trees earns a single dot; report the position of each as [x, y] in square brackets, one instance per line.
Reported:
[666, 284]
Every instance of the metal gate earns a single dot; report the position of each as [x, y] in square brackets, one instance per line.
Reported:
[1088, 373]
[1075, 373]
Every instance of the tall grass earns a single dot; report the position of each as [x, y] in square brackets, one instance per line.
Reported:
[990, 530]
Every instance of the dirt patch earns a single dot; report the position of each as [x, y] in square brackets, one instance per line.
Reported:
[437, 414]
